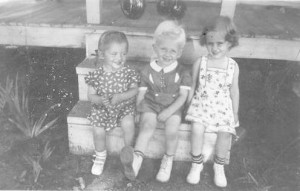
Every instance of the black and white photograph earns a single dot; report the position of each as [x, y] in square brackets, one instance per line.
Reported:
[150, 95]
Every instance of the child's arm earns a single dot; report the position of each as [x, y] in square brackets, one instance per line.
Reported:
[235, 93]
[96, 99]
[140, 96]
[166, 113]
[125, 95]
[196, 67]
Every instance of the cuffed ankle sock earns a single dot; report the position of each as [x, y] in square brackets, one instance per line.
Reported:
[219, 173]
[139, 153]
[219, 160]
[138, 157]
[99, 161]
[196, 169]
[197, 158]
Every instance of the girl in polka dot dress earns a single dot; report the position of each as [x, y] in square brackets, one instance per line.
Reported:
[112, 89]
[214, 99]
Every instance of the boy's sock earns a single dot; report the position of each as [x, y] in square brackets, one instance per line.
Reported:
[131, 161]
[219, 176]
[164, 172]
[196, 168]
[99, 161]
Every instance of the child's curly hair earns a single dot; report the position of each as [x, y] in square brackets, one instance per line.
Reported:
[170, 29]
[222, 24]
[111, 36]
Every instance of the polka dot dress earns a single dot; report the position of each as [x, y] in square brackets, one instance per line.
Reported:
[107, 84]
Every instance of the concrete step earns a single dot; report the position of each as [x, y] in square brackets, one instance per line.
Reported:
[81, 137]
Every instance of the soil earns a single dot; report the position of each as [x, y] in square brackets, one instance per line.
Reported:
[267, 158]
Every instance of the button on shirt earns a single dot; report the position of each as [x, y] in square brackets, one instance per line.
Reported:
[163, 84]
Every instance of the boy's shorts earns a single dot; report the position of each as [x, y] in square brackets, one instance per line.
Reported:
[152, 107]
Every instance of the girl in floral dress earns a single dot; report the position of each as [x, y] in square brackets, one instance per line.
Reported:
[112, 89]
[214, 98]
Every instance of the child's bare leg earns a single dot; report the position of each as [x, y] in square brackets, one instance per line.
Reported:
[171, 131]
[100, 150]
[127, 124]
[147, 127]
[223, 145]
[197, 136]
[132, 158]
[99, 136]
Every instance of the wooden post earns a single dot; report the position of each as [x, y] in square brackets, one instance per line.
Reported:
[228, 8]
[93, 11]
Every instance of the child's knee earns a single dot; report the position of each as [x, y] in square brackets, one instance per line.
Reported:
[98, 131]
[128, 122]
[226, 136]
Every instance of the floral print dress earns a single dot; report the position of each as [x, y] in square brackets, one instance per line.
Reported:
[107, 84]
[212, 104]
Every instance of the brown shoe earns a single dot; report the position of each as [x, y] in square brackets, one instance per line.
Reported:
[126, 157]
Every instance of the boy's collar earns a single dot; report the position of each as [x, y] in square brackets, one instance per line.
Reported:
[167, 69]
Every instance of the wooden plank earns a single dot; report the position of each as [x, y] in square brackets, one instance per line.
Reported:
[42, 36]
[269, 21]
[140, 42]
[228, 8]
[261, 48]
[93, 11]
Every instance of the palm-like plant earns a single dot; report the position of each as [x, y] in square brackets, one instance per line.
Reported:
[14, 104]
[18, 110]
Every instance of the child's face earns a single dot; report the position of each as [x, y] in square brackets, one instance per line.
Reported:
[115, 55]
[167, 51]
[216, 44]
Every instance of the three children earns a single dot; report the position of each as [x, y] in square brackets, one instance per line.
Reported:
[165, 86]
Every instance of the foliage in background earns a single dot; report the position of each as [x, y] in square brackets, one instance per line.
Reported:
[14, 105]
[52, 77]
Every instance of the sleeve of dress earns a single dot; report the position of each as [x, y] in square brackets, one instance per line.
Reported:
[92, 78]
[186, 78]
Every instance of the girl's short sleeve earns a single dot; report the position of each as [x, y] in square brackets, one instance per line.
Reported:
[92, 79]
[186, 78]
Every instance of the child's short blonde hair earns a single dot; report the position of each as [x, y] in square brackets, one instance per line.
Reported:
[221, 24]
[170, 29]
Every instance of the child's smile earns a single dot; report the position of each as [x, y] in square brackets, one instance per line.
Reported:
[216, 45]
[115, 56]
[167, 51]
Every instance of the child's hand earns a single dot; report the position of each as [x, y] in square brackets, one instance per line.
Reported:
[115, 99]
[236, 120]
[164, 115]
[105, 101]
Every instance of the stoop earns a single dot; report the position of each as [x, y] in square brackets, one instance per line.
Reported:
[80, 131]
[81, 137]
